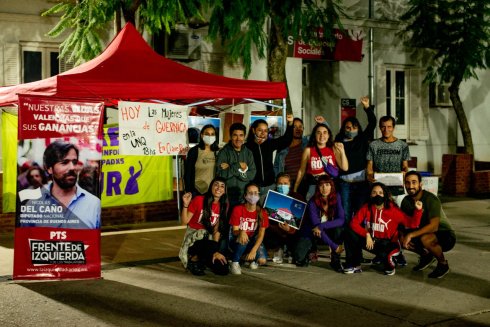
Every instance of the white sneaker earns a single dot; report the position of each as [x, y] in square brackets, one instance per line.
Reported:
[254, 265]
[278, 256]
[235, 268]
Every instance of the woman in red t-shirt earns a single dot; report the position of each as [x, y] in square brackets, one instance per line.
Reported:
[204, 215]
[248, 222]
[321, 156]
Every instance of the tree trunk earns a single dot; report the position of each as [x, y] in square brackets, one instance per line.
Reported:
[118, 22]
[276, 61]
[461, 115]
[129, 11]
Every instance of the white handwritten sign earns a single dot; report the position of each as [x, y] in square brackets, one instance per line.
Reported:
[152, 129]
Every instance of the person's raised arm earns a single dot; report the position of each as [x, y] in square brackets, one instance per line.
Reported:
[285, 140]
[302, 168]
[340, 156]
[185, 215]
[369, 109]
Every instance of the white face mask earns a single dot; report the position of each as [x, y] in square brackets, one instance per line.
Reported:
[209, 139]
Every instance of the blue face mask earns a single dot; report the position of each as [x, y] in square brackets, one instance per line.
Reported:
[351, 134]
[283, 189]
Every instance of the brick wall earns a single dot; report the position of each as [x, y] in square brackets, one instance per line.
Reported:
[457, 170]
[481, 183]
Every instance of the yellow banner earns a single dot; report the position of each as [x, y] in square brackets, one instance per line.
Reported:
[133, 179]
[9, 155]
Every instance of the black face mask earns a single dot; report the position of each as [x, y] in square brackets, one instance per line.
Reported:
[377, 200]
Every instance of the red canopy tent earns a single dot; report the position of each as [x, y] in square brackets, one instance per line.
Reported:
[130, 70]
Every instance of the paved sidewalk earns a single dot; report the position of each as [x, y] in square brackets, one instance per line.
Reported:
[144, 285]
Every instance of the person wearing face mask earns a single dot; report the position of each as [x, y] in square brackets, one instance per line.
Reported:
[248, 223]
[324, 214]
[263, 147]
[199, 167]
[279, 235]
[352, 183]
[375, 228]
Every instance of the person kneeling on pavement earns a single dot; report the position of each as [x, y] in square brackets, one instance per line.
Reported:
[280, 235]
[248, 223]
[375, 228]
[324, 214]
[435, 235]
[204, 216]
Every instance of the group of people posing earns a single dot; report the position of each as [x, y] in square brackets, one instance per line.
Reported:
[347, 209]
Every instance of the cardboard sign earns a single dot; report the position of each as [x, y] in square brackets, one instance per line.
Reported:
[152, 129]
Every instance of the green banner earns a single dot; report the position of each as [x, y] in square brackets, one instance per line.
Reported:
[9, 155]
[130, 180]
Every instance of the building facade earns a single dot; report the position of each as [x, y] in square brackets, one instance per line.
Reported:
[316, 87]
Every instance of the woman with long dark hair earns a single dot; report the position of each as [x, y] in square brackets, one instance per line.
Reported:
[375, 228]
[248, 222]
[204, 216]
[324, 213]
[321, 157]
[200, 163]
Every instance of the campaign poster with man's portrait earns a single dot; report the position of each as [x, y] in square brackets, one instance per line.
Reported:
[58, 210]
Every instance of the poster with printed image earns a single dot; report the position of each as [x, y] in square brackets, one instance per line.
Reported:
[275, 123]
[57, 233]
[196, 123]
[284, 209]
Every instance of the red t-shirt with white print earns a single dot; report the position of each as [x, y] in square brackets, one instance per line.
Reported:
[247, 220]
[315, 166]
[195, 207]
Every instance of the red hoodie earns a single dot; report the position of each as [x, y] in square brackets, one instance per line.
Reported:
[383, 223]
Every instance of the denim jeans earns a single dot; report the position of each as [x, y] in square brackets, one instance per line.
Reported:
[240, 249]
[354, 195]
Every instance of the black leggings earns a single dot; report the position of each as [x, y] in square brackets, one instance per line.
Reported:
[383, 248]
[204, 250]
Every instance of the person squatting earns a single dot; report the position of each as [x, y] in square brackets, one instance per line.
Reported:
[347, 210]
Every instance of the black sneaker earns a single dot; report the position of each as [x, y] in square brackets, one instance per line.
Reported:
[337, 266]
[440, 271]
[400, 260]
[365, 261]
[196, 268]
[377, 260]
[424, 262]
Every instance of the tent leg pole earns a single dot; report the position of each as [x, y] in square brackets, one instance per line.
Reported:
[177, 170]
[284, 122]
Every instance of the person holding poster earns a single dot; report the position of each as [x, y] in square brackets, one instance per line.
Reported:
[204, 216]
[279, 235]
[248, 222]
[321, 157]
[200, 164]
[324, 214]
[62, 203]
[374, 228]
[262, 147]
